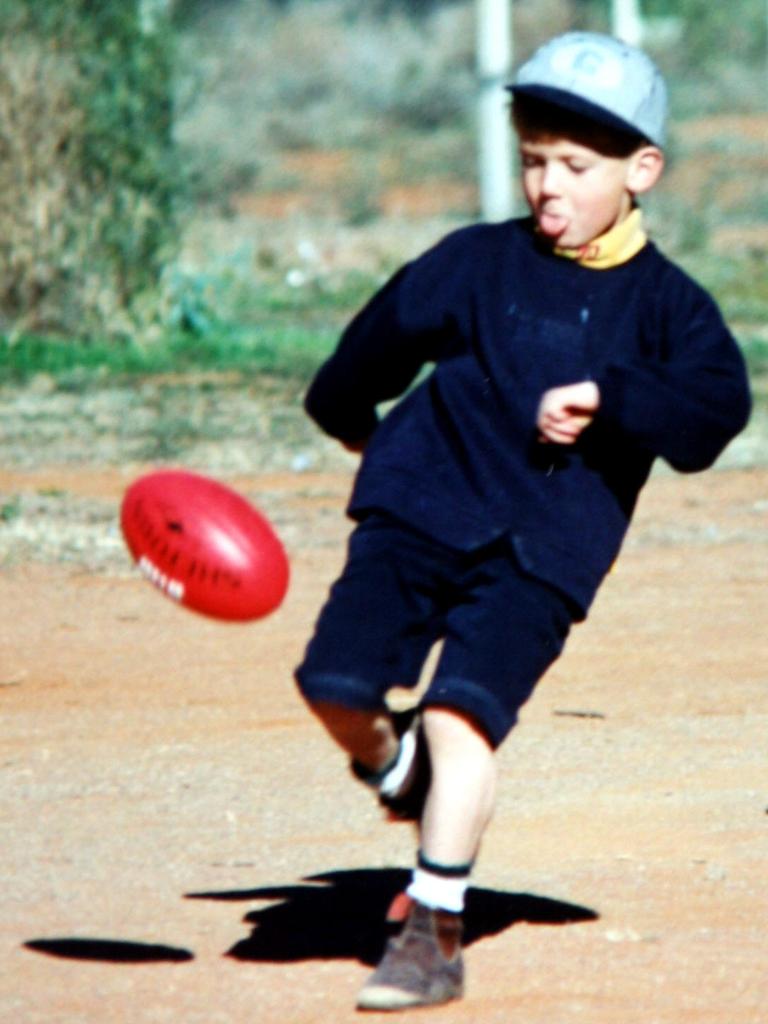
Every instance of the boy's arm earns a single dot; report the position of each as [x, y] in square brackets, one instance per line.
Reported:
[405, 325]
[686, 407]
[363, 371]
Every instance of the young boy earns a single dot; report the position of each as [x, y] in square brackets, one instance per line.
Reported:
[491, 501]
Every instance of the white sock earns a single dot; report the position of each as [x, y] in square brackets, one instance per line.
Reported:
[440, 892]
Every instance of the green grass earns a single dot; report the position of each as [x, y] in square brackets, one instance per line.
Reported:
[740, 285]
[218, 325]
[10, 509]
[288, 332]
[283, 351]
[222, 323]
[756, 353]
[738, 282]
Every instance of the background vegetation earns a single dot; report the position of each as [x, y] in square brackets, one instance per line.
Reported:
[88, 176]
[221, 182]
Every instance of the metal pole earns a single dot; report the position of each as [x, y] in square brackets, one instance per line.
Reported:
[494, 64]
[627, 21]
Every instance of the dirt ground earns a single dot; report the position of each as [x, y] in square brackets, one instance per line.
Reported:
[180, 843]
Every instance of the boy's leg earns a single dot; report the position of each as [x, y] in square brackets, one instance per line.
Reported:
[367, 736]
[496, 649]
[374, 632]
[461, 798]
[423, 966]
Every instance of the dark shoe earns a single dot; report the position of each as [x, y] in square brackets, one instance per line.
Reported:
[422, 966]
[406, 802]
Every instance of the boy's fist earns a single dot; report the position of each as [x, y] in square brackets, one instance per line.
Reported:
[565, 411]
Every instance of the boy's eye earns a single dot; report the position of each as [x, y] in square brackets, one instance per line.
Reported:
[577, 168]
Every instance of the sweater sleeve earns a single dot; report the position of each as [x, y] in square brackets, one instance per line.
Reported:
[410, 322]
[690, 401]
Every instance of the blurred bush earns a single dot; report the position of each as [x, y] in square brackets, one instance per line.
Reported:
[715, 32]
[88, 175]
[262, 79]
[102, 102]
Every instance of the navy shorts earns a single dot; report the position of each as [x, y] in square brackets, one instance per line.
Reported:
[402, 592]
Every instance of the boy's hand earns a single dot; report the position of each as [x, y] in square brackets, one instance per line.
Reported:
[564, 412]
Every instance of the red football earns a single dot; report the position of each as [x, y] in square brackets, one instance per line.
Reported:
[203, 545]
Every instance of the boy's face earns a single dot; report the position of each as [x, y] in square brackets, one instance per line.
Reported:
[577, 193]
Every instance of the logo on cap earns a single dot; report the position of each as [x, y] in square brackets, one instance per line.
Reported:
[590, 64]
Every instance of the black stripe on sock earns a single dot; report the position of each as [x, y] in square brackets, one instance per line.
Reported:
[444, 870]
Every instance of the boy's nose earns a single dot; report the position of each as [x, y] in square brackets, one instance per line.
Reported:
[550, 180]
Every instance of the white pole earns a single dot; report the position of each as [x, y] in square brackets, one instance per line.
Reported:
[150, 12]
[627, 21]
[494, 64]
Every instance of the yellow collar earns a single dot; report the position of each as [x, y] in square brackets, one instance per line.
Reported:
[616, 246]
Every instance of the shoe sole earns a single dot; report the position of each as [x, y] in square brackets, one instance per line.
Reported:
[382, 997]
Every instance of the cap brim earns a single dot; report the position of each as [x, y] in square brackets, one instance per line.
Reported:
[577, 105]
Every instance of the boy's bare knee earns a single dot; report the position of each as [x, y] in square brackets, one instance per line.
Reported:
[454, 727]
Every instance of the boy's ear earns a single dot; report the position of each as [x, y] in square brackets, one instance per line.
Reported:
[645, 167]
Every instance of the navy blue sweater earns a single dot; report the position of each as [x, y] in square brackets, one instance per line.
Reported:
[503, 319]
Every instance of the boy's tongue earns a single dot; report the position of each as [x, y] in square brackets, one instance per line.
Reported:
[552, 224]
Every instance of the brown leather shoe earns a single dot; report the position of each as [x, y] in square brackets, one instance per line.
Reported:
[422, 966]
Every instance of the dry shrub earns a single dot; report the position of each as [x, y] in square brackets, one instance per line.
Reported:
[40, 128]
[325, 74]
[85, 198]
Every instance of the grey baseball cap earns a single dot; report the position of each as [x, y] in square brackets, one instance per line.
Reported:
[601, 78]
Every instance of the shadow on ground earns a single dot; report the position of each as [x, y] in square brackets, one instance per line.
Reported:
[112, 951]
[341, 915]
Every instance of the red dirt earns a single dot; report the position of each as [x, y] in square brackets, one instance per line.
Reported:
[151, 756]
